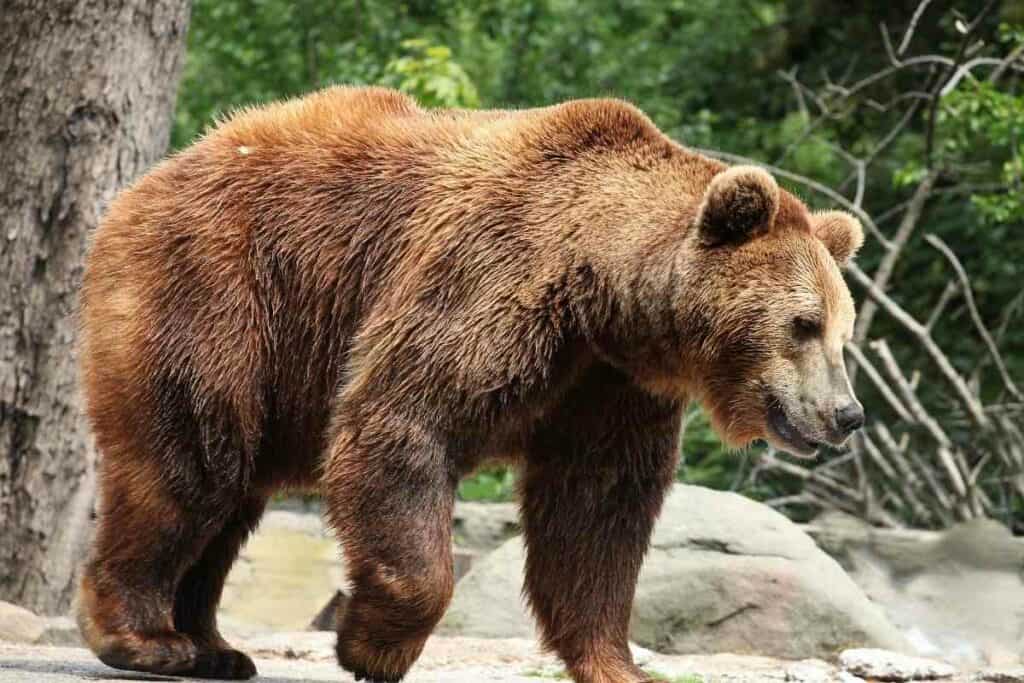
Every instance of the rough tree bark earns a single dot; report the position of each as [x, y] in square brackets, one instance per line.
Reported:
[87, 92]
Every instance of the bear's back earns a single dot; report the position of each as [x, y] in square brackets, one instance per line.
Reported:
[244, 270]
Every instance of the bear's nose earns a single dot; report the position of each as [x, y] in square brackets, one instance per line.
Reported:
[850, 417]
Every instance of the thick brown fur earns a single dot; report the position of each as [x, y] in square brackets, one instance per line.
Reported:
[349, 294]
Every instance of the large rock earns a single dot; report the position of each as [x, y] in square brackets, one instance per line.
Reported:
[18, 625]
[957, 594]
[284, 575]
[880, 665]
[729, 574]
[482, 527]
[61, 631]
[487, 602]
[724, 574]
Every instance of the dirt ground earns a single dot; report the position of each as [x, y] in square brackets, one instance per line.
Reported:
[297, 657]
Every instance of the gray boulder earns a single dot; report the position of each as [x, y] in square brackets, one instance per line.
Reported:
[19, 625]
[61, 631]
[487, 602]
[724, 574]
[482, 527]
[890, 666]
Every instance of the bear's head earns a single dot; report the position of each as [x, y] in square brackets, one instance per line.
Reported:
[775, 314]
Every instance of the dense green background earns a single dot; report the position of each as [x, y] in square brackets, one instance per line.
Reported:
[706, 71]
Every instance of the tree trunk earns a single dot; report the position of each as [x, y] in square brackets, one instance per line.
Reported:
[87, 93]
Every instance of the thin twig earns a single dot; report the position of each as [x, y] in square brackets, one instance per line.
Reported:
[883, 387]
[899, 240]
[917, 409]
[965, 70]
[920, 332]
[940, 306]
[940, 87]
[1010, 59]
[944, 449]
[912, 26]
[972, 307]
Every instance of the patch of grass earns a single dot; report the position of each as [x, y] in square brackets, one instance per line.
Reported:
[685, 678]
[561, 675]
[489, 485]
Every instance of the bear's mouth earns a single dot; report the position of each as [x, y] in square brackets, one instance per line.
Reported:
[794, 441]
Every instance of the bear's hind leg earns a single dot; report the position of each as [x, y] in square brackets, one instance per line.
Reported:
[199, 592]
[146, 539]
[390, 493]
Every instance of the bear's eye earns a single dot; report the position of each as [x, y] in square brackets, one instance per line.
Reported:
[806, 327]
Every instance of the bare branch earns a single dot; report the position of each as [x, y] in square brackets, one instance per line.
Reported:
[966, 188]
[810, 475]
[965, 286]
[868, 81]
[921, 416]
[835, 494]
[798, 92]
[948, 458]
[920, 332]
[900, 456]
[899, 485]
[803, 91]
[1016, 54]
[940, 306]
[899, 240]
[909, 33]
[965, 70]
[940, 88]
[884, 143]
[896, 99]
[883, 387]
[887, 41]
[859, 171]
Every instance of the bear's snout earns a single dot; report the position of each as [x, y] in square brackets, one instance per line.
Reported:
[849, 418]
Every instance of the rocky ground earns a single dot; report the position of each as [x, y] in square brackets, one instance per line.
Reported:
[307, 656]
[724, 574]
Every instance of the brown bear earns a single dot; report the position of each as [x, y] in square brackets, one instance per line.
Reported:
[351, 295]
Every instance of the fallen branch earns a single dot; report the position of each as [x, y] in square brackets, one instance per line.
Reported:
[965, 287]
[971, 404]
[899, 240]
[876, 378]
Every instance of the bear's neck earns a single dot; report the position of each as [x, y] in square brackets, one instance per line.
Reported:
[651, 324]
[635, 231]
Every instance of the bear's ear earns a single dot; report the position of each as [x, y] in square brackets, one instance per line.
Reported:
[842, 234]
[740, 202]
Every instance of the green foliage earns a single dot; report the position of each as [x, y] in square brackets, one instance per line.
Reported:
[685, 678]
[909, 174]
[561, 674]
[984, 125]
[705, 461]
[242, 52]
[707, 72]
[428, 73]
[494, 485]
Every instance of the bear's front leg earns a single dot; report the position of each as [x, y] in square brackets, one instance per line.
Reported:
[390, 490]
[592, 488]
